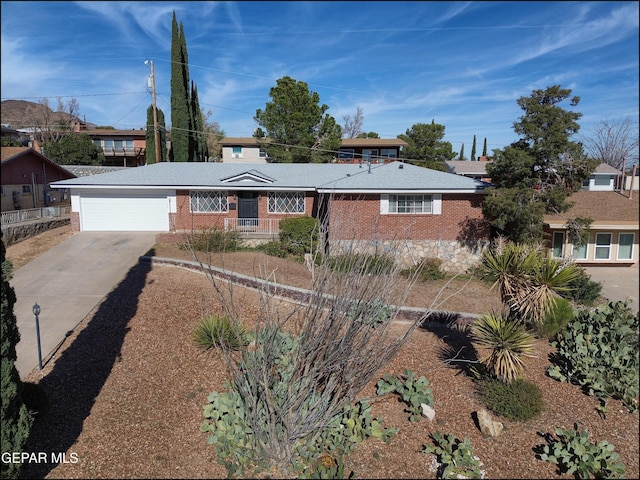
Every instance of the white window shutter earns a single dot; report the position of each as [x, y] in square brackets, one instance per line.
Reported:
[437, 203]
[384, 204]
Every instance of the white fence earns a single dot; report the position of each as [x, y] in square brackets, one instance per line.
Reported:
[30, 214]
[264, 226]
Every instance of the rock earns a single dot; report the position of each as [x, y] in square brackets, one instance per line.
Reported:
[487, 426]
[428, 411]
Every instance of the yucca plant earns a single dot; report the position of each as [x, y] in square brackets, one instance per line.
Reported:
[219, 332]
[509, 342]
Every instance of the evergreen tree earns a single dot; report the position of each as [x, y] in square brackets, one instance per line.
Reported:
[180, 101]
[151, 138]
[484, 149]
[473, 150]
[427, 147]
[461, 156]
[200, 148]
[15, 418]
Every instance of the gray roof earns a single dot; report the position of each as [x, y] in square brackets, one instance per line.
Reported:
[395, 176]
[464, 167]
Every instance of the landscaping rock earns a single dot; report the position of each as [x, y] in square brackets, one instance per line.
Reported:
[487, 426]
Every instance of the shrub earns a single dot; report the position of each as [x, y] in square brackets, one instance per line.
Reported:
[274, 249]
[517, 401]
[556, 319]
[214, 240]
[599, 351]
[584, 291]
[35, 397]
[219, 332]
[576, 455]
[427, 269]
[508, 341]
[413, 391]
[362, 264]
[299, 235]
[455, 458]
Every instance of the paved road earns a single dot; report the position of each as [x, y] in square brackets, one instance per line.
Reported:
[618, 283]
[67, 282]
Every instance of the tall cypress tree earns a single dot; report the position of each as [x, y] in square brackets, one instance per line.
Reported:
[200, 148]
[180, 101]
[151, 138]
[461, 156]
[14, 416]
[473, 150]
[484, 149]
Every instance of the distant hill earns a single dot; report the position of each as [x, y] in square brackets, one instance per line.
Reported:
[23, 114]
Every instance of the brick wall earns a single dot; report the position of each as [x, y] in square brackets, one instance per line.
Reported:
[75, 221]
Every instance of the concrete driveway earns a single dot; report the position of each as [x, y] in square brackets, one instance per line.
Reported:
[67, 282]
[618, 283]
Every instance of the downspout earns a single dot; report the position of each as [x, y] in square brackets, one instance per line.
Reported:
[33, 189]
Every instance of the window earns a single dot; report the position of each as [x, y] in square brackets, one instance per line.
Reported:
[108, 143]
[263, 153]
[580, 252]
[389, 153]
[625, 246]
[236, 152]
[26, 188]
[603, 246]
[602, 180]
[209, 202]
[410, 204]
[286, 202]
[557, 246]
[118, 144]
[346, 153]
[370, 155]
[128, 144]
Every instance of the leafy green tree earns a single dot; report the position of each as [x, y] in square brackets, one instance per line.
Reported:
[15, 418]
[150, 137]
[426, 147]
[368, 135]
[180, 98]
[9, 142]
[298, 128]
[536, 174]
[74, 149]
[473, 150]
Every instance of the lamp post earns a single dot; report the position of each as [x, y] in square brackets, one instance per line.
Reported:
[36, 313]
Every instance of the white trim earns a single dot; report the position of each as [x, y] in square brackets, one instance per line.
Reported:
[595, 246]
[384, 204]
[436, 204]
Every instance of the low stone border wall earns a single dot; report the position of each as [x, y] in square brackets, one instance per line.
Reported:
[14, 233]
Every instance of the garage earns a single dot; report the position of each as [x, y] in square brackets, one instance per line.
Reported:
[124, 210]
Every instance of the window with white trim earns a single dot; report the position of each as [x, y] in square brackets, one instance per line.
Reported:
[557, 245]
[625, 246]
[603, 246]
[410, 204]
[208, 201]
[286, 202]
[236, 152]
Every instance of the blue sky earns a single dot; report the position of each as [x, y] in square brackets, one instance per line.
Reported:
[462, 64]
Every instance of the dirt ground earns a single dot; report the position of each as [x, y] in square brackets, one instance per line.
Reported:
[128, 387]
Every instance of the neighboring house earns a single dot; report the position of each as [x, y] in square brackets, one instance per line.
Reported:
[386, 207]
[26, 176]
[126, 148]
[352, 150]
[471, 169]
[8, 132]
[242, 150]
[613, 234]
[604, 178]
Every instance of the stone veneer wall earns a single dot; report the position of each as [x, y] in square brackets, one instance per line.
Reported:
[456, 257]
[16, 233]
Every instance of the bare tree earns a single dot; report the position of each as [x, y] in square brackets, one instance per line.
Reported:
[52, 126]
[614, 142]
[353, 127]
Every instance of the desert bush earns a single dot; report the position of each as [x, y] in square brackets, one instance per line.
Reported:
[274, 249]
[299, 235]
[556, 319]
[219, 332]
[508, 342]
[575, 454]
[413, 391]
[583, 291]
[425, 270]
[213, 240]
[455, 458]
[518, 401]
[599, 351]
[362, 264]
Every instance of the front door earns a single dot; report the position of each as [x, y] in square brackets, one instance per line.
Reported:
[247, 210]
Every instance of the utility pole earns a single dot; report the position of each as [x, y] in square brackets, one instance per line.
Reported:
[156, 130]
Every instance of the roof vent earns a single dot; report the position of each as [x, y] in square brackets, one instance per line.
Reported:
[401, 166]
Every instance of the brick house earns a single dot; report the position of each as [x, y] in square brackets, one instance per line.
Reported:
[380, 207]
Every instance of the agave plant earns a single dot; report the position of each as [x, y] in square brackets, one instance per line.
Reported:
[219, 332]
[509, 342]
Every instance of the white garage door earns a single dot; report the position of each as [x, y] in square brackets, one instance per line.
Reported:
[124, 211]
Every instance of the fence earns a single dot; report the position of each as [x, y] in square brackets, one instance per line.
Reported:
[31, 214]
[264, 226]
